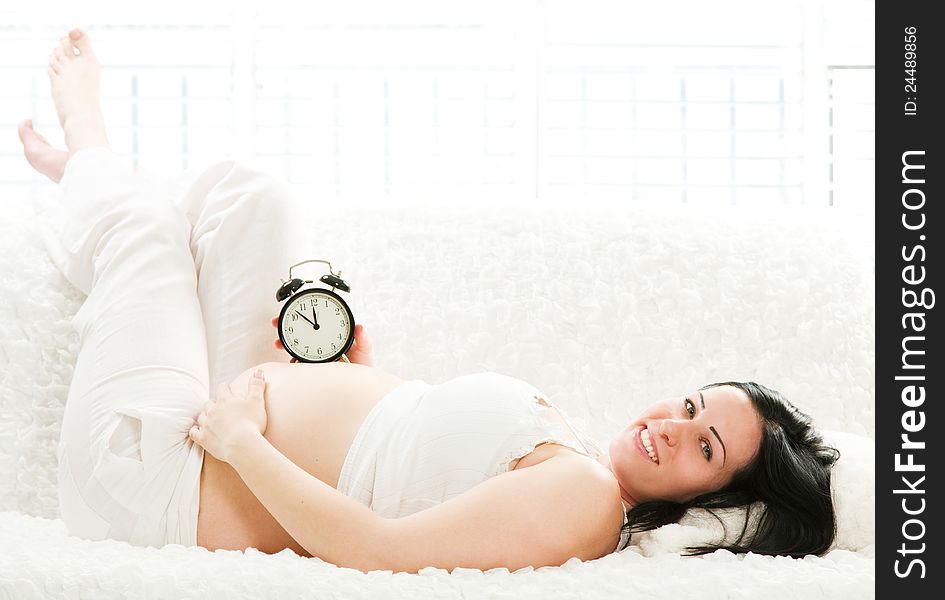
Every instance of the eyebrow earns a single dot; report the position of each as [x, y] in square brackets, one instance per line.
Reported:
[712, 429]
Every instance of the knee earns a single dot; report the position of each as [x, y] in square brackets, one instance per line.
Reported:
[268, 195]
[156, 218]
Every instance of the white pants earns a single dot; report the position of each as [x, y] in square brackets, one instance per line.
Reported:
[181, 279]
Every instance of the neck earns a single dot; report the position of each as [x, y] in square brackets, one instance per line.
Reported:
[628, 500]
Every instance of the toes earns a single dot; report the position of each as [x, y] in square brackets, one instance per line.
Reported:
[60, 55]
[38, 135]
[81, 40]
[54, 65]
[68, 50]
[24, 131]
[28, 135]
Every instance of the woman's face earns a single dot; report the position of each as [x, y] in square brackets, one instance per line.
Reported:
[699, 441]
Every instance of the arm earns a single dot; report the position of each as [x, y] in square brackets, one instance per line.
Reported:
[540, 515]
[325, 522]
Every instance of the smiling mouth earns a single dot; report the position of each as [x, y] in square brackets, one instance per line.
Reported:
[645, 444]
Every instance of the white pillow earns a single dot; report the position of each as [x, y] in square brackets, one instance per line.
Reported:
[852, 488]
[854, 491]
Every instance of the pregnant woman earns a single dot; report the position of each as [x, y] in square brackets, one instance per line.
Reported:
[171, 436]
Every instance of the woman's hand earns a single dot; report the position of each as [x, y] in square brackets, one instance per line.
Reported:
[231, 418]
[360, 352]
[278, 342]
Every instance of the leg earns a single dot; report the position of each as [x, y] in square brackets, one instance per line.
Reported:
[127, 468]
[246, 234]
[247, 230]
[244, 223]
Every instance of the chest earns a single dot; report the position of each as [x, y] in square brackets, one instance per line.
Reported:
[546, 450]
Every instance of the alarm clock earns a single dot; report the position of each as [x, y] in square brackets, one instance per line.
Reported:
[315, 324]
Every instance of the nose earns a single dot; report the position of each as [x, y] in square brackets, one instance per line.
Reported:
[669, 430]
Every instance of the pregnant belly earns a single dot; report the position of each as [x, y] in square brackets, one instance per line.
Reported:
[314, 412]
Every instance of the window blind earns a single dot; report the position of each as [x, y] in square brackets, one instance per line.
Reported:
[752, 104]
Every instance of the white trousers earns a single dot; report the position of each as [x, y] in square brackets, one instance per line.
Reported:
[181, 278]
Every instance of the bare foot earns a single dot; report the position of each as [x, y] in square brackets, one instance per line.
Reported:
[40, 154]
[74, 78]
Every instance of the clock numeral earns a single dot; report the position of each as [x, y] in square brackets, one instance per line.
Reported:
[290, 329]
[337, 311]
[295, 340]
[306, 349]
[319, 350]
[339, 336]
[333, 347]
[295, 317]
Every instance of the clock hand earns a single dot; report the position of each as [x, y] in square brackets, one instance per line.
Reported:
[314, 316]
[307, 319]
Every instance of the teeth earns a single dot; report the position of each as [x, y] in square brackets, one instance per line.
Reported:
[645, 438]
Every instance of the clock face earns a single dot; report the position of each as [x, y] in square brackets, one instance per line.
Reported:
[316, 326]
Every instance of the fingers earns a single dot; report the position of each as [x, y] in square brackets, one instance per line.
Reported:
[196, 432]
[275, 323]
[364, 341]
[278, 343]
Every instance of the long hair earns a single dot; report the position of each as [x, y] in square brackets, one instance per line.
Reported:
[789, 475]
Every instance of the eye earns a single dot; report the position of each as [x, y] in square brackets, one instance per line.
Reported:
[706, 450]
[691, 411]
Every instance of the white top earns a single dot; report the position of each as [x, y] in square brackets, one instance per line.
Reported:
[422, 444]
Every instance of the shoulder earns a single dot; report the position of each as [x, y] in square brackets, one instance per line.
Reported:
[582, 467]
[593, 502]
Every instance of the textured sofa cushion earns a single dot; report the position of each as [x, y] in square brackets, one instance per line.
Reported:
[606, 308]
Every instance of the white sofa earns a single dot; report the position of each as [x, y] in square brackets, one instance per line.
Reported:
[605, 308]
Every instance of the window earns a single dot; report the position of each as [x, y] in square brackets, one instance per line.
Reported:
[744, 103]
